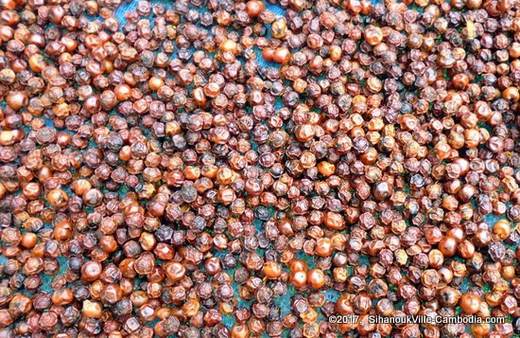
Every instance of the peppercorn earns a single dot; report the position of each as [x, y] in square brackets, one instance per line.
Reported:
[470, 303]
[254, 8]
[272, 270]
[502, 229]
[316, 278]
[448, 246]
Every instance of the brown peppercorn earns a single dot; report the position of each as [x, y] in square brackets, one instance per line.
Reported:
[470, 303]
[90, 271]
[298, 278]
[449, 296]
[466, 249]
[373, 35]
[57, 198]
[324, 247]
[502, 229]
[29, 240]
[508, 272]
[154, 83]
[272, 270]
[19, 305]
[334, 221]
[229, 46]
[316, 278]
[174, 271]
[297, 265]
[254, 8]
[16, 100]
[326, 169]
[268, 54]
[448, 246]
[63, 230]
[92, 309]
[62, 297]
[239, 331]
[282, 55]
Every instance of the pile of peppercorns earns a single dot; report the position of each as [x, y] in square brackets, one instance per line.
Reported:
[217, 168]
